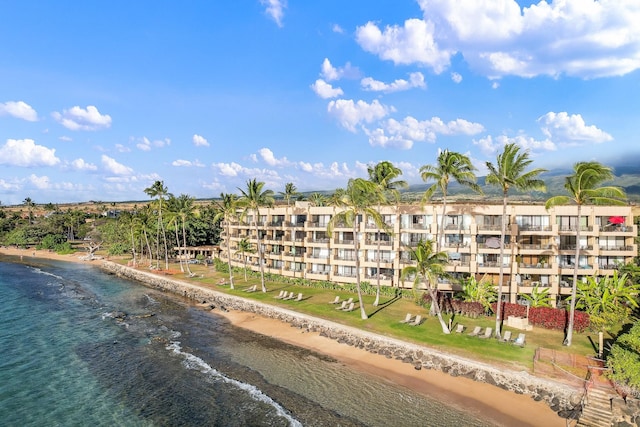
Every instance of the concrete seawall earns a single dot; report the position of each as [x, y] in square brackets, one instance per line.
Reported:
[559, 397]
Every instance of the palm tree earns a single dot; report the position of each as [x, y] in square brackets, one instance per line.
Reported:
[510, 172]
[182, 208]
[227, 209]
[583, 188]
[357, 200]
[450, 166]
[245, 247]
[160, 191]
[253, 197]
[429, 267]
[29, 204]
[290, 190]
[317, 199]
[383, 175]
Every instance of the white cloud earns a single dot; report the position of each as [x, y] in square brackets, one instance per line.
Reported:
[495, 85]
[187, 163]
[491, 146]
[413, 43]
[145, 144]
[77, 118]
[331, 73]
[200, 141]
[8, 186]
[18, 109]
[275, 9]
[571, 129]
[350, 113]
[228, 169]
[582, 38]
[403, 134]
[122, 149]
[65, 138]
[337, 29]
[415, 80]
[324, 90]
[40, 182]
[456, 77]
[26, 153]
[81, 165]
[271, 160]
[112, 166]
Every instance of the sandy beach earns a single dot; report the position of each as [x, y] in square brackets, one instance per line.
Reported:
[502, 407]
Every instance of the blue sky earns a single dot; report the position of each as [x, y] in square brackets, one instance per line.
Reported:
[100, 99]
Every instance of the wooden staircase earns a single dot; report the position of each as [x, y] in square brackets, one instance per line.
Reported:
[597, 410]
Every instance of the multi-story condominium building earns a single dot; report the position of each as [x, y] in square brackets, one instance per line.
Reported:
[540, 244]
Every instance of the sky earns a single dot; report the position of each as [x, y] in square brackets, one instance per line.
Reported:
[98, 100]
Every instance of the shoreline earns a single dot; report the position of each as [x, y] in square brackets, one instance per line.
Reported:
[499, 406]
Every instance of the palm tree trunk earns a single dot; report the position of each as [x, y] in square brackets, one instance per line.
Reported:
[244, 259]
[363, 313]
[574, 287]
[440, 230]
[184, 244]
[229, 255]
[503, 232]
[377, 301]
[264, 288]
[180, 255]
[436, 308]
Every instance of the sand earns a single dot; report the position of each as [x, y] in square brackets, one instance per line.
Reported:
[489, 402]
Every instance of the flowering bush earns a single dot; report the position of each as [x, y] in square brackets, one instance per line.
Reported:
[547, 317]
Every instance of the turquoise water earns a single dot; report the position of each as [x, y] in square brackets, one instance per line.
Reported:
[80, 347]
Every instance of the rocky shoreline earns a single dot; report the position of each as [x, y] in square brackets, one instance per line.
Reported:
[560, 397]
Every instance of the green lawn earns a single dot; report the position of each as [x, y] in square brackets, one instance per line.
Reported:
[385, 320]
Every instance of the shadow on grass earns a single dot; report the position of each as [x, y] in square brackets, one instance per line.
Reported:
[384, 305]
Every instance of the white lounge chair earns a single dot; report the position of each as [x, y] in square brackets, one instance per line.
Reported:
[459, 328]
[281, 295]
[349, 301]
[476, 331]
[299, 298]
[506, 337]
[290, 296]
[407, 319]
[487, 333]
[520, 340]
[252, 288]
[343, 306]
[351, 307]
[335, 301]
[417, 321]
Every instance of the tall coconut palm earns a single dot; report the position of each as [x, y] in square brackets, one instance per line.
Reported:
[510, 172]
[450, 166]
[245, 247]
[357, 200]
[227, 210]
[317, 199]
[429, 267]
[384, 175]
[584, 189]
[30, 205]
[182, 208]
[290, 191]
[159, 190]
[252, 199]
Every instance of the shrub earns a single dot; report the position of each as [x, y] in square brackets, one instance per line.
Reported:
[546, 317]
[624, 361]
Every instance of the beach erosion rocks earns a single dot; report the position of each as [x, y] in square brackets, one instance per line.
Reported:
[560, 397]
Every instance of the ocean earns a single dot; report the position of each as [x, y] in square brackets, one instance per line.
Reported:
[83, 348]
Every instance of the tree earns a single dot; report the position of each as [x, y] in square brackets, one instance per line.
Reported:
[227, 209]
[429, 267]
[357, 200]
[510, 172]
[481, 291]
[384, 175]
[29, 204]
[624, 361]
[583, 188]
[317, 199]
[539, 297]
[182, 208]
[245, 247]
[450, 166]
[160, 191]
[290, 190]
[252, 199]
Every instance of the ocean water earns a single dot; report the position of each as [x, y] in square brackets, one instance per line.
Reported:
[83, 348]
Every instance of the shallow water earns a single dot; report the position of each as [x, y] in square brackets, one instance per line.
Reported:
[81, 347]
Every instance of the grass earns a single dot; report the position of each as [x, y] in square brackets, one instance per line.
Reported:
[385, 320]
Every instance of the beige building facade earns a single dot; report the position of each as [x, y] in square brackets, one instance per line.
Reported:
[539, 244]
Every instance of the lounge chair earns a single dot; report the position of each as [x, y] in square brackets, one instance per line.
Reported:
[520, 341]
[335, 301]
[407, 319]
[281, 295]
[251, 289]
[459, 328]
[343, 306]
[506, 337]
[487, 333]
[351, 307]
[290, 296]
[299, 298]
[476, 331]
[417, 321]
